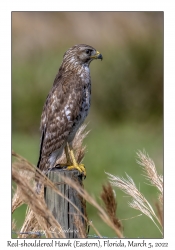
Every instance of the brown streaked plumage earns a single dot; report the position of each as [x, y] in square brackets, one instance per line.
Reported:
[67, 104]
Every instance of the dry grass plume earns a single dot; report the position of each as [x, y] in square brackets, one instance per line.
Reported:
[109, 200]
[39, 220]
[139, 202]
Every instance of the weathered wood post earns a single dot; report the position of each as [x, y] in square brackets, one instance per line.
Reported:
[62, 210]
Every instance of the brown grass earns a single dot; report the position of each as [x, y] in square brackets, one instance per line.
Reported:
[103, 215]
[139, 202]
[109, 200]
[35, 202]
[40, 219]
[80, 227]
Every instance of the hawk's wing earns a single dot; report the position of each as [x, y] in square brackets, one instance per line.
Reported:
[61, 108]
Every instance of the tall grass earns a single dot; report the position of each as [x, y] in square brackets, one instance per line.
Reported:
[40, 219]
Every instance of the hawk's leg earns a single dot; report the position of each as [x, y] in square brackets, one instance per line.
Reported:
[74, 164]
[68, 159]
[69, 162]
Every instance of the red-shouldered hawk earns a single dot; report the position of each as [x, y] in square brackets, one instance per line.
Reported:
[66, 106]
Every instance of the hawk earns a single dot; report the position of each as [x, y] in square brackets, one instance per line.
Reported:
[66, 107]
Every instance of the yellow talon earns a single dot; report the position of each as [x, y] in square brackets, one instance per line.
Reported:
[80, 168]
[75, 165]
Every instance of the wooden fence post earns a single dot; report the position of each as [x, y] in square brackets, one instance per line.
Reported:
[62, 210]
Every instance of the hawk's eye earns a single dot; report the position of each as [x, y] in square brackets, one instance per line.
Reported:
[88, 52]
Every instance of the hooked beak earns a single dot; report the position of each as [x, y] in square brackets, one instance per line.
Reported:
[97, 56]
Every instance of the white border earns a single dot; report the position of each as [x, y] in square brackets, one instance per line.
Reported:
[5, 94]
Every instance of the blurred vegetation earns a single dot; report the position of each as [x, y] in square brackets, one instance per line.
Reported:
[127, 84]
[127, 93]
[110, 149]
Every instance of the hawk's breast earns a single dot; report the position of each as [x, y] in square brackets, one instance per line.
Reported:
[85, 104]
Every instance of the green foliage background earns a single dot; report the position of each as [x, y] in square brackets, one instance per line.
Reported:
[127, 96]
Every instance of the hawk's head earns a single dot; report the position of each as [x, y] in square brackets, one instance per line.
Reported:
[79, 55]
